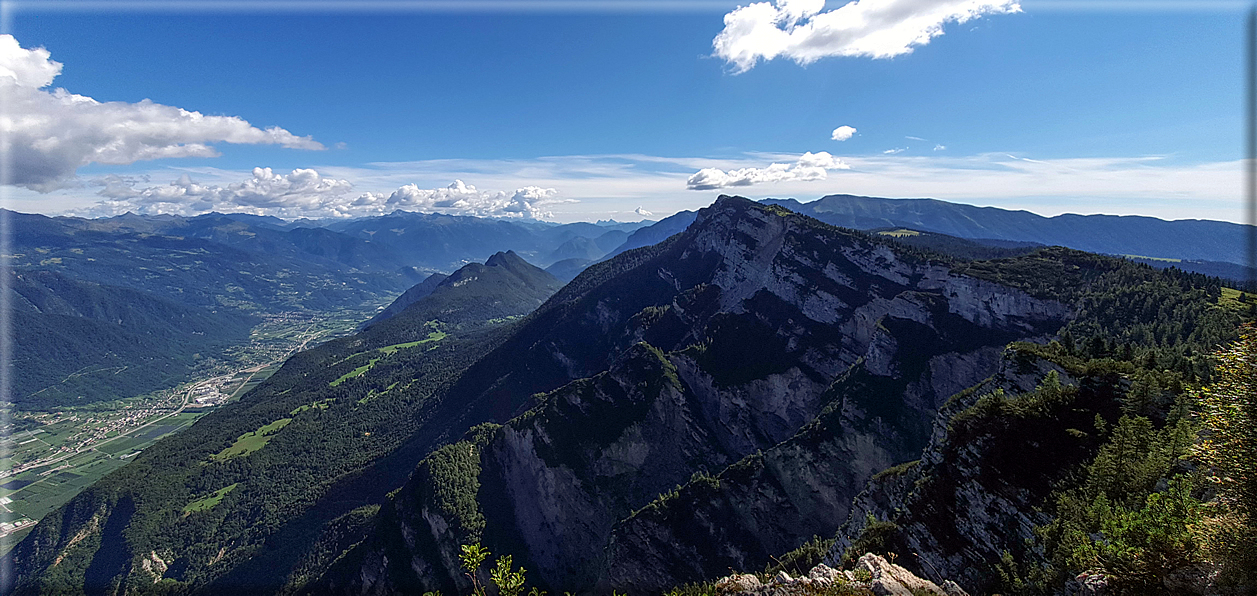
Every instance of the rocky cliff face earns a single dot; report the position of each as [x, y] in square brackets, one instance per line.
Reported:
[738, 334]
[980, 484]
[772, 501]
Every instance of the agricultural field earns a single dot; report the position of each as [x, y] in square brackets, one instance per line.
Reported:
[56, 453]
[28, 495]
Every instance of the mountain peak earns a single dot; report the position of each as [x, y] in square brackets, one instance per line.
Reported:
[729, 213]
[735, 205]
[503, 259]
[732, 201]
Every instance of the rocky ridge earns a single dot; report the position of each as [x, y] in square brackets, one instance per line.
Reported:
[870, 337]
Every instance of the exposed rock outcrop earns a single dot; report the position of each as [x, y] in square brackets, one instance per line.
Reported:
[873, 575]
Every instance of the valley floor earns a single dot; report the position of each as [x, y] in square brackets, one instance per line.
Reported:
[59, 452]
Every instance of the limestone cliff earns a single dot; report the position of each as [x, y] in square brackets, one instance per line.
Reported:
[981, 483]
[790, 359]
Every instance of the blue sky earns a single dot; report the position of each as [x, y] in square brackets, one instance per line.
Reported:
[1132, 108]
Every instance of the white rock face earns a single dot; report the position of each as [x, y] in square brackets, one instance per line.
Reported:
[892, 580]
[887, 579]
[154, 565]
[992, 305]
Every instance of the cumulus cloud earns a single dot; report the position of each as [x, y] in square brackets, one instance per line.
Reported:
[940, 147]
[642, 212]
[306, 193]
[297, 194]
[461, 199]
[843, 133]
[51, 133]
[798, 30]
[810, 166]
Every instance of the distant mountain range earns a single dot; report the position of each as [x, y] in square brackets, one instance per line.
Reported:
[446, 242]
[97, 296]
[1192, 239]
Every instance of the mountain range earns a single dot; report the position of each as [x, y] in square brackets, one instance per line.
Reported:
[1190, 239]
[219, 273]
[710, 400]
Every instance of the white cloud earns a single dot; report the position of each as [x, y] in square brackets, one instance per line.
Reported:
[810, 166]
[940, 147]
[306, 193]
[301, 193]
[797, 29]
[642, 212]
[1161, 186]
[843, 133]
[912, 138]
[51, 133]
[894, 151]
[462, 199]
[26, 68]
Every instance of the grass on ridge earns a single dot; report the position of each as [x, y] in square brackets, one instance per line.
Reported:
[207, 503]
[433, 336]
[251, 441]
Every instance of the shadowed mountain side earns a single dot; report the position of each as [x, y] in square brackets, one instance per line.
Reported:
[656, 232]
[504, 286]
[411, 296]
[717, 343]
[567, 269]
[77, 342]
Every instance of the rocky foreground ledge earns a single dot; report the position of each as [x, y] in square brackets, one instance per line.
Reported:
[872, 575]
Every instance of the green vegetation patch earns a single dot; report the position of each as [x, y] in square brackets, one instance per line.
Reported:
[207, 503]
[452, 474]
[357, 372]
[1234, 299]
[898, 470]
[372, 394]
[322, 404]
[251, 441]
[1160, 259]
[433, 336]
[900, 233]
